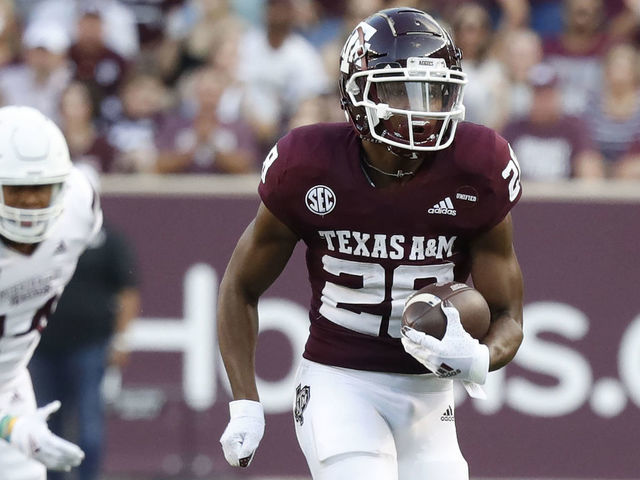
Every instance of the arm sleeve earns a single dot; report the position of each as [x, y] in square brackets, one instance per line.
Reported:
[505, 182]
[83, 199]
[96, 215]
[277, 185]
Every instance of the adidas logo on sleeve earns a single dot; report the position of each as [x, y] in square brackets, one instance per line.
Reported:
[443, 207]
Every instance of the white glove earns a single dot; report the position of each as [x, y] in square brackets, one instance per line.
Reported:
[243, 433]
[458, 355]
[32, 437]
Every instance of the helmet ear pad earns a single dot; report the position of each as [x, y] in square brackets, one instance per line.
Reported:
[357, 115]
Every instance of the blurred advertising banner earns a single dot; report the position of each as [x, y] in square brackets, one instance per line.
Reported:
[568, 406]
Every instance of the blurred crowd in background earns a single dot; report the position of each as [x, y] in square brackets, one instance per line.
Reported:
[207, 86]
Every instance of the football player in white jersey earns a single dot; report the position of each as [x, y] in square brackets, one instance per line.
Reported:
[48, 214]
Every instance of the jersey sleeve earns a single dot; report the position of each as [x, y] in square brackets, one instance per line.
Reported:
[84, 200]
[278, 183]
[96, 216]
[504, 182]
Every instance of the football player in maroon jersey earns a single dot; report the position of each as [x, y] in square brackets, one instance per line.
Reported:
[403, 195]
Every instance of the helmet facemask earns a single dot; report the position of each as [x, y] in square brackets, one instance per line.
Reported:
[30, 225]
[416, 108]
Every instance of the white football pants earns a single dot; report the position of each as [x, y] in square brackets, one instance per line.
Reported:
[353, 424]
[18, 398]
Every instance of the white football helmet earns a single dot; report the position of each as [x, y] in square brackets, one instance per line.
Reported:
[33, 151]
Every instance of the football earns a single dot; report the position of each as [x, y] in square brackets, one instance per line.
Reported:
[422, 310]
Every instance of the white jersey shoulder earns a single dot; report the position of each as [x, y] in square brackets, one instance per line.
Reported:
[30, 285]
[82, 211]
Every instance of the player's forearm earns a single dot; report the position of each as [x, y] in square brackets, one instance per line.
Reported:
[129, 308]
[504, 338]
[237, 338]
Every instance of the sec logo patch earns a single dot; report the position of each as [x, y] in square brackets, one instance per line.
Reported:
[320, 199]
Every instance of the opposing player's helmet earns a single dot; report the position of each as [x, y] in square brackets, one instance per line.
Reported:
[401, 81]
[33, 151]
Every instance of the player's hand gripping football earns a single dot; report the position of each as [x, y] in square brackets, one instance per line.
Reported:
[458, 355]
[31, 435]
[243, 433]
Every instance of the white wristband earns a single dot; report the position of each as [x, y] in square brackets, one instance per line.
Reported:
[245, 408]
[480, 366]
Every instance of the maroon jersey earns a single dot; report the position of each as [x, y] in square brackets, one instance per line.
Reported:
[369, 248]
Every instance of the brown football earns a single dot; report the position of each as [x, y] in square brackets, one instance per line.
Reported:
[423, 312]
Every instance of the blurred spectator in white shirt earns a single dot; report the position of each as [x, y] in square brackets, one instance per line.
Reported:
[45, 73]
[279, 69]
[522, 50]
[120, 29]
[484, 98]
